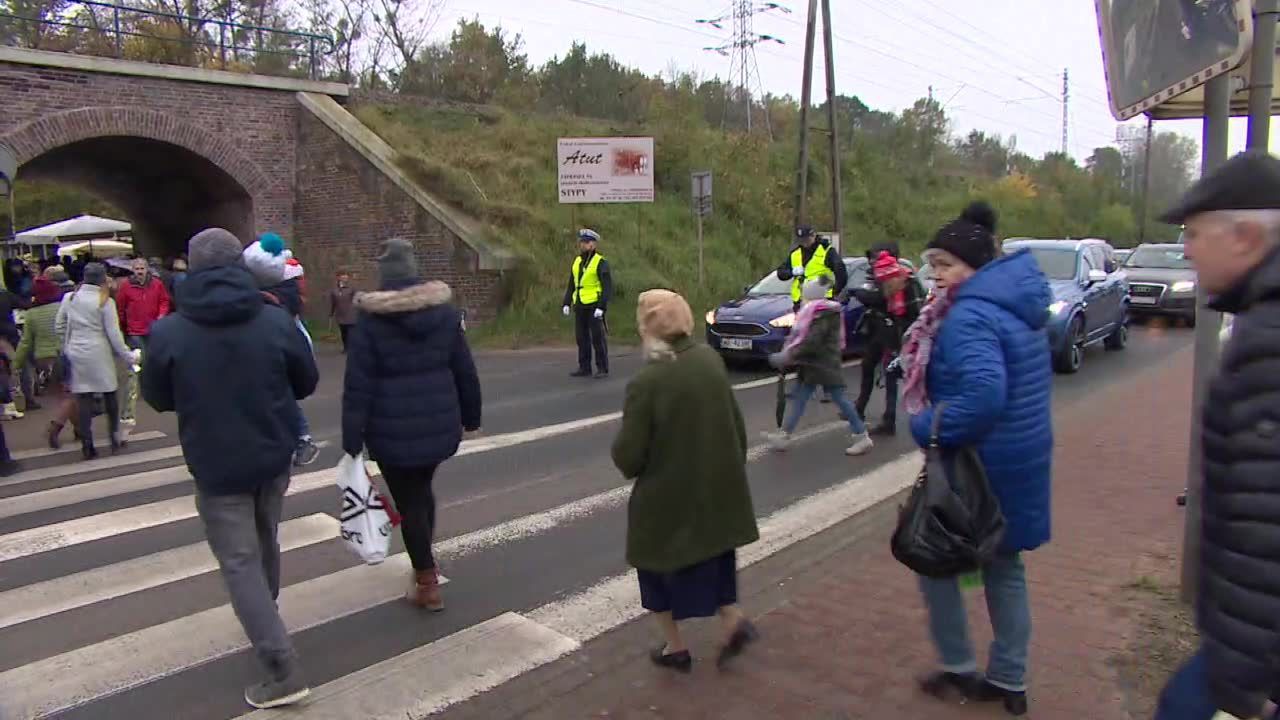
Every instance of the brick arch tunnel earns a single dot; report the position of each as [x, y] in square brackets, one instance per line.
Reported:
[166, 191]
[168, 177]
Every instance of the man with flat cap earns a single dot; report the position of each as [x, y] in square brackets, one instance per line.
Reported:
[1231, 224]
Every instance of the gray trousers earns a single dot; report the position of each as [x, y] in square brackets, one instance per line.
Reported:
[242, 533]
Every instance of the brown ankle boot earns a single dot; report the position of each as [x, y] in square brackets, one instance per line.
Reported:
[55, 430]
[425, 592]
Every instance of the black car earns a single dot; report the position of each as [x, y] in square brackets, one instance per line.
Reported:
[1161, 282]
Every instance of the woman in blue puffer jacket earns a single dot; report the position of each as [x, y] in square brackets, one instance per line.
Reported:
[980, 348]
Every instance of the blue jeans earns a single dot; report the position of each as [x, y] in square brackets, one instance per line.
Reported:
[300, 424]
[1186, 696]
[1005, 580]
[800, 397]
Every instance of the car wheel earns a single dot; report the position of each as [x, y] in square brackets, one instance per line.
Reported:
[1119, 337]
[1071, 356]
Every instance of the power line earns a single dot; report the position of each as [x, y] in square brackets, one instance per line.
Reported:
[998, 42]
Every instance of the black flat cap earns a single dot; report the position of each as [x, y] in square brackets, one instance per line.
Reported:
[1248, 181]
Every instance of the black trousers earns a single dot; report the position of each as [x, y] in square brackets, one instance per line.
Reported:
[873, 363]
[411, 490]
[344, 330]
[590, 334]
[110, 404]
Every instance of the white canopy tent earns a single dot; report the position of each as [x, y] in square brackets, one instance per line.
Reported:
[81, 227]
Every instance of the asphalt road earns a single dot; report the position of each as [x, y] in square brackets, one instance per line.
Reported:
[523, 523]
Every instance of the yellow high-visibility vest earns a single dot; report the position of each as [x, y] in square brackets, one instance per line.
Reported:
[587, 280]
[817, 267]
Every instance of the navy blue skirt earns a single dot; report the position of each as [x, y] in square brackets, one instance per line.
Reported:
[696, 591]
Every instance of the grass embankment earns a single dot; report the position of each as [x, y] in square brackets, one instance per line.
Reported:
[500, 168]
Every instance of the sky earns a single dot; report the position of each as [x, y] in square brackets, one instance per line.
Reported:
[997, 65]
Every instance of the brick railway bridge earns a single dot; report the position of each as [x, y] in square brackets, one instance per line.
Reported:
[178, 149]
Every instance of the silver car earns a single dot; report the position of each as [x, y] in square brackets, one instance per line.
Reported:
[1161, 282]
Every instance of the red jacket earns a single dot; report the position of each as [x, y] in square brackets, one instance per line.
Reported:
[141, 306]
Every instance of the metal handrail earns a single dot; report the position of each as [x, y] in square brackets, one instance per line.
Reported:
[316, 44]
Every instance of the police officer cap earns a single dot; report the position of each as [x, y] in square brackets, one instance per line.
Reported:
[804, 231]
[588, 235]
[1248, 181]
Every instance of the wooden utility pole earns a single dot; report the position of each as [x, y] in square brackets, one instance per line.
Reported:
[836, 213]
[806, 95]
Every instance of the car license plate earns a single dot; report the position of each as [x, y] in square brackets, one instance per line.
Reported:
[1137, 300]
[735, 343]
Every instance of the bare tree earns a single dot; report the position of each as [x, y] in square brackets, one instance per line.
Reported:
[406, 25]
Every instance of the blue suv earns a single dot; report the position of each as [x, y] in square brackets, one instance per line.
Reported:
[1090, 297]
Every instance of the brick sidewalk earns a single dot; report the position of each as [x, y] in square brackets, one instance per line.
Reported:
[846, 637]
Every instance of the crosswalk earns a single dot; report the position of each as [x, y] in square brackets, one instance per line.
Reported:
[83, 565]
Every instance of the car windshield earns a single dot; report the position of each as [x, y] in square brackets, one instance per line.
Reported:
[1172, 258]
[1056, 264]
[770, 285]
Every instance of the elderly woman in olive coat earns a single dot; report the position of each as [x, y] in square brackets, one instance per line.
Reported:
[683, 441]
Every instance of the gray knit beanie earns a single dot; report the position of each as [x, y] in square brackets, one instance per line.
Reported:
[397, 263]
[213, 248]
[95, 273]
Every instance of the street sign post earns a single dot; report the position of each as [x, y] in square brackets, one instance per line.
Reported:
[701, 184]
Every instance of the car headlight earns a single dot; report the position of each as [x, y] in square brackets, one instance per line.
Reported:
[1183, 286]
[711, 317]
[785, 321]
[1057, 307]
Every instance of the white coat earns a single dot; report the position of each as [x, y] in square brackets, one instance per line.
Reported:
[91, 331]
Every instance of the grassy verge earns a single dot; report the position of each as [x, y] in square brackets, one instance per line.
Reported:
[500, 169]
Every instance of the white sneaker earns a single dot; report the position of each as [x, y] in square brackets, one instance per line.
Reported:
[11, 412]
[862, 445]
[778, 440]
[128, 422]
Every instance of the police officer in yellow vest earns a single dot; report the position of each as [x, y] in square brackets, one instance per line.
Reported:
[587, 298]
[810, 258]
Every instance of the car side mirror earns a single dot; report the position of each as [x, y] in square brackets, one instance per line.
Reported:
[1096, 276]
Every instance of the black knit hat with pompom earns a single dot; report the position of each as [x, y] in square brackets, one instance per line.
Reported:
[970, 237]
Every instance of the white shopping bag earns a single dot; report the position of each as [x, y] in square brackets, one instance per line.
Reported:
[367, 518]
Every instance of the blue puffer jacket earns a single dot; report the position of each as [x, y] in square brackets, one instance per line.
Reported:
[990, 365]
[411, 385]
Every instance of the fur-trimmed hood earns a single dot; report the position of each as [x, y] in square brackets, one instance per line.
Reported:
[414, 297]
[418, 310]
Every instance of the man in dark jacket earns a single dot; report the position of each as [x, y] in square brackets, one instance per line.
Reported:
[892, 298]
[1232, 236]
[231, 365]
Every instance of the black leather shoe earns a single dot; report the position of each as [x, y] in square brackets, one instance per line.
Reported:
[741, 638]
[1015, 703]
[949, 686]
[884, 429]
[680, 661]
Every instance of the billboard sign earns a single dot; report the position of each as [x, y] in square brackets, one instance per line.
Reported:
[1155, 50]
[605, 170]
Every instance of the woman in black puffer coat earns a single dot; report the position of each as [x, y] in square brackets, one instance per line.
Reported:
[411, 389]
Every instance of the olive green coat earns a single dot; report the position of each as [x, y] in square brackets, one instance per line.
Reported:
[817, 359]
[684, 443]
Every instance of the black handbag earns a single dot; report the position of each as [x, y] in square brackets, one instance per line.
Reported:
[951, 524]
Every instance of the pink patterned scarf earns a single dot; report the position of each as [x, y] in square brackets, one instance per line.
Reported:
[804, 321]
[916, 348]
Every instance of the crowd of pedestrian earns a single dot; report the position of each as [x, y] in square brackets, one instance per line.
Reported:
[220, 341]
